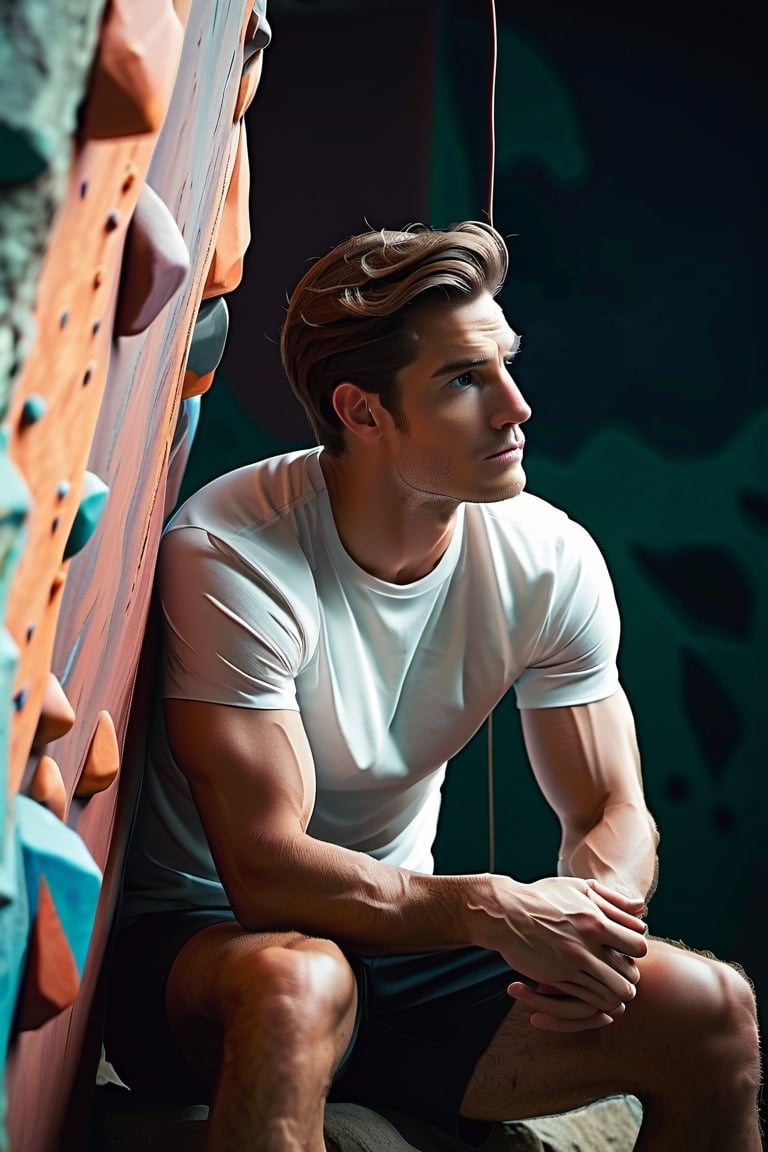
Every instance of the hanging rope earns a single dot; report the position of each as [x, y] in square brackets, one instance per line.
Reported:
[493, 37]
[494, 55]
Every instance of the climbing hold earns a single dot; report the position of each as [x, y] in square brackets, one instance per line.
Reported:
[33, 409]
[62, 489]
[64, 319]
[56, 714]
[207, 348]
[26, 153]
[155, 265]
[63, 883]
[83, 189]
[102, 761]
[47, 787]
[257, 36]
[209, 337]
[98, 277]
[20, 699]
[92, 503]
[135, 69]
[51, 980]
[112, 221]
[234, 232]
[88, 372]
[30, 632]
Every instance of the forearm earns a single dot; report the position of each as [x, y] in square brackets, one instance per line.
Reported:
[557, 932]
[302, 884]
[619, 849]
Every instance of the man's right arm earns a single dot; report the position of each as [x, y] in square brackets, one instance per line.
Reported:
[252, 777]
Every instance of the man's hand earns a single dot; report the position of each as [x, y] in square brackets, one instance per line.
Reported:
[553, 1012]
[576, 940]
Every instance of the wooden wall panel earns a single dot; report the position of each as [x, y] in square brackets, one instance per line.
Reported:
[89, 426]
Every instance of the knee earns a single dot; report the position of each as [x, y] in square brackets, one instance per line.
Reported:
[719, 1006]
[303, 988]
[737, 1043]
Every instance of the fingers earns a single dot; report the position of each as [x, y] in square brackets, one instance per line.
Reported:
[559, 1013]
[623, 964]
[628, 933]
[620, 909]
[631, 904]
[566, 1005]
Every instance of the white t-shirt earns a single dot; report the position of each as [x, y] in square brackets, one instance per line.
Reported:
[263, 608]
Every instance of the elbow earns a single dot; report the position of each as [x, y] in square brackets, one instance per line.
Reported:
[256, 887]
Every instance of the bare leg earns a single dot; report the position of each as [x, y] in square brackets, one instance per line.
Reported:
[265, 1019]
[687, 1046]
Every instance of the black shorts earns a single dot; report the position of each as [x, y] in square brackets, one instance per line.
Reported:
[423, 1021]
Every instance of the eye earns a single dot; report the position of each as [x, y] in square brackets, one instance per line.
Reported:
[462, 382]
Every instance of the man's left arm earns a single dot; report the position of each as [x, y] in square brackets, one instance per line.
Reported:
[586, 762]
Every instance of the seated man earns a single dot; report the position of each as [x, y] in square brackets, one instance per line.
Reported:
[338, 624]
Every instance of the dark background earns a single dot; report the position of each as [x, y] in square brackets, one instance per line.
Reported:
[630, 179]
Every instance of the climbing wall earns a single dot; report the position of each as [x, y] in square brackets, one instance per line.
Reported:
[123, 223]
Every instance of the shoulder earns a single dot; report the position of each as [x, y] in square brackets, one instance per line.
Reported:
[253, 497]
[533, 533]
[249, 537]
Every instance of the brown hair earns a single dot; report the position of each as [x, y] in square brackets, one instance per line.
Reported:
[347, 318]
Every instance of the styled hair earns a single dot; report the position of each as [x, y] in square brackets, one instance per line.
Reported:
[347, 319]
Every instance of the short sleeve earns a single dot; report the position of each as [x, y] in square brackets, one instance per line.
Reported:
[574, 658]
[230, 634]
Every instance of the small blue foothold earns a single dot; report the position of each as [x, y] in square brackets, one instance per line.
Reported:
[83, 189]
[62, 489]
[96, 326]
[113, 220]
[94, 498]
[20, 699]
[30, 632]
[54, 524]
[33, 409]
[63, 319]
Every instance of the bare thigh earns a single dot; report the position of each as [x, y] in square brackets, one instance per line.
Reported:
[664, 1043]
[224, 974]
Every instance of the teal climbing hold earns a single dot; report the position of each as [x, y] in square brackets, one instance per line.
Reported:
[92, 502]
[33, 409]
[25, 151]
[55, 852]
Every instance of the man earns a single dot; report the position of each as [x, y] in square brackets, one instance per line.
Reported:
[338, 623]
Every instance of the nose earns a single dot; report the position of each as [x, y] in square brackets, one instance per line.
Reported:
[511, 407]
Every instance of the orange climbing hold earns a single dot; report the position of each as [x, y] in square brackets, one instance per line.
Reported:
[102, 762]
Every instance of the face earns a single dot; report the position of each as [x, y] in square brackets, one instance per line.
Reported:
[462, 410]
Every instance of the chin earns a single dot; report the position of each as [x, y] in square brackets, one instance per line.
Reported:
[511, 488]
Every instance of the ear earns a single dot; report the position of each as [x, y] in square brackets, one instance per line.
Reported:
[355, 408]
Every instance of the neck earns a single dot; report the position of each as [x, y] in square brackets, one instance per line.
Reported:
[391, 532]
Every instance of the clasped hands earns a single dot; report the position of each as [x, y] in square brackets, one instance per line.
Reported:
[577, 944]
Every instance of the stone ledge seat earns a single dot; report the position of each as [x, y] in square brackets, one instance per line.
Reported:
[125, 1121]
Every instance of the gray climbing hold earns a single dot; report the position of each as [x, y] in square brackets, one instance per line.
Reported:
[209, 337]
[155, 265]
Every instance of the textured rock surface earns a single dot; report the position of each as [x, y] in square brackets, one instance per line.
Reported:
[608, 1126]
